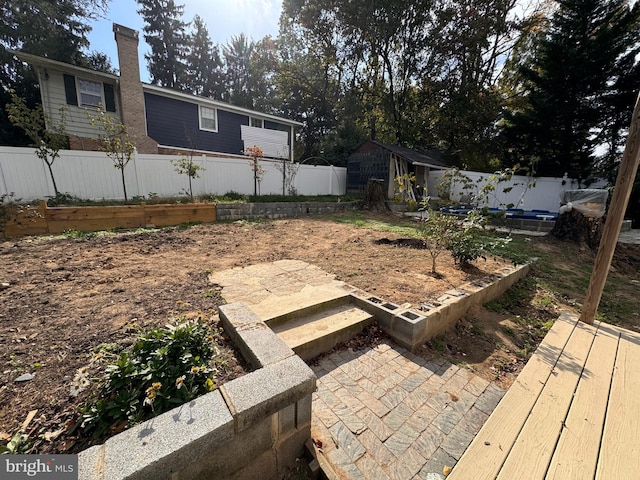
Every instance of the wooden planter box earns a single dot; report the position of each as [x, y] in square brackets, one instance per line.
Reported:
[44, 220]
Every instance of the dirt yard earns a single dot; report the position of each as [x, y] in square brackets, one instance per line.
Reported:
[67, 296]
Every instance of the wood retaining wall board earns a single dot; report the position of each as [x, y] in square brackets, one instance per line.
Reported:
[44, 220]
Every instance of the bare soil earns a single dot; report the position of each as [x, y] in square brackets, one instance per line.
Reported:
[67, 296]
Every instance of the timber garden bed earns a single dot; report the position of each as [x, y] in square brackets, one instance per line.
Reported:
[50, 218]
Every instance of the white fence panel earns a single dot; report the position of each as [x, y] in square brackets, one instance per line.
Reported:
[321, 180]
[24, 174]
[91, 175]
[545, 192]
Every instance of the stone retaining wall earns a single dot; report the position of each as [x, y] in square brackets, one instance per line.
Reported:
[252, 427]
[238, 211]
[411, 328]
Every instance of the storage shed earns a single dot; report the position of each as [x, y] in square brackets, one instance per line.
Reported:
[382, 161]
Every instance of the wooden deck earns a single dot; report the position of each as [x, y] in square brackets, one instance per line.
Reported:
[572, 413]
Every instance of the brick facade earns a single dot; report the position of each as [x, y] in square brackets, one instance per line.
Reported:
[131, 95]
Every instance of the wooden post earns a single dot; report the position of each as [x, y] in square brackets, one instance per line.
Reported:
[613, 223]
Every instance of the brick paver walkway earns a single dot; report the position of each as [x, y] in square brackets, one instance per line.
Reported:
[385, 413]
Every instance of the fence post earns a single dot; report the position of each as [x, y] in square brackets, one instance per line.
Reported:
[135, 170]
[204, 175]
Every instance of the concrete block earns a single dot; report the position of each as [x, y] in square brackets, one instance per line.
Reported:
[291, 448]
[91, 463]
[268, 390]
[168, 443]
[238, 315]
[381, 310]
[407, 328]
[303, 411]
[263, 346]
[286, 420]
[263, 467]
[255, 340]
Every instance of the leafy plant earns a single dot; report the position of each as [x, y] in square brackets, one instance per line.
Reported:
[115, 142]
[47, 142]
[164, 368]
[436, 231]
[18, 445]
[289, 171]
[256, 154]
[186, 166]
[404, 185]
[63, 199]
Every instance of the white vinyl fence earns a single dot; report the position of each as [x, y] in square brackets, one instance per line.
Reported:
[542, 193]
[91, 175]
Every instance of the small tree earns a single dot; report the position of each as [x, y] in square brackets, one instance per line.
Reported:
[256, 155]
[115, 142]
[289, 171]
[47, 143]
[186, 166]
[435, 231]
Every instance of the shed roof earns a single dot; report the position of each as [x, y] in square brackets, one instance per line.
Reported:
[429, 156]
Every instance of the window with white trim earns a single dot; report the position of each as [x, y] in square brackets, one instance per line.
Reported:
[257, 122]
[208, 119]
[90, 93]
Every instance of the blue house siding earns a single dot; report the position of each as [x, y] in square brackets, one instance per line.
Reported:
[175, 123]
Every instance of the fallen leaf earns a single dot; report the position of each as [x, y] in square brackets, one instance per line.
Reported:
[27, 420]
[24, 377]
[49, 436]
[446, 470]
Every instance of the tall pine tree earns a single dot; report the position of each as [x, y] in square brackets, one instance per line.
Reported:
[166, 34]
[577, 88]
[203, 63]
[237, 57]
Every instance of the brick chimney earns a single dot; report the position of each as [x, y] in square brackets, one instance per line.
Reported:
[131, 95]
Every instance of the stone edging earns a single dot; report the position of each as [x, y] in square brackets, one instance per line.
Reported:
[252, 427]
[411, 328]
[238, 211]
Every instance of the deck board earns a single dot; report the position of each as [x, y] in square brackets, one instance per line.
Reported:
[620, 451]
[534, 448]
[572, 413]
[576, 454]
[488, 451]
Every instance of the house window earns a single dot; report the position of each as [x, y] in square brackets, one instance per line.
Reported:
[90, 93]
[257, 122]
[208, 119]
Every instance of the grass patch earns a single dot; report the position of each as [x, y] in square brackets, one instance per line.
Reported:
[361, 220]
[516, 297]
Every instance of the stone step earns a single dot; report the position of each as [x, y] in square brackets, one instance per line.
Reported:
[319, 332]
[301, 304]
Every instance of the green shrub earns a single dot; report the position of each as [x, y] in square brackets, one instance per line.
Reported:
[164, 368]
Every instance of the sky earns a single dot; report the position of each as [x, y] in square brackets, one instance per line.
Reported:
[224, 19]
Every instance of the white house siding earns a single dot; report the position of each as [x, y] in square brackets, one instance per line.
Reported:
[274, 143]
[76, 118]
[91, 175]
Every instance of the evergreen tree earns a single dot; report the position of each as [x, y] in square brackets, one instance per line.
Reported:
[166, 34]
[237, 66]
[577, 88]
[203, 63]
